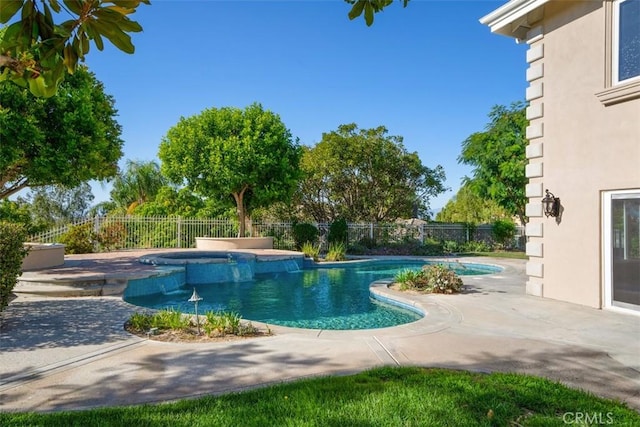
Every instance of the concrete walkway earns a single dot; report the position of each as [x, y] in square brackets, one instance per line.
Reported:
[72, 353]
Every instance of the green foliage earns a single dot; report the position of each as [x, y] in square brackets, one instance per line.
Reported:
[369, 7]
[450, 246]
[476, 246]
[80, 239]
[498, 159]
[65, 140]
[166, 319]
[223, 322]
[17, 211]
[337, 252]
[407, 279]
[303, 233]
[247, 157]
[339, 231]
[470, 208]
[311, 250]
[367, 242]
[12, 252]
[365, 175]
[139, 183]
[441, 279]
[112, 236]
[38, 52]
[140, 322]
[170, 318]
[56, 206]
[504, 232]
[431, 279]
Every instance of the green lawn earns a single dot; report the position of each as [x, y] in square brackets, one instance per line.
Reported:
[379, 397]
[498, 254]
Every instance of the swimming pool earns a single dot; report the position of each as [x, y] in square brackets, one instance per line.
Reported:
[336, 297]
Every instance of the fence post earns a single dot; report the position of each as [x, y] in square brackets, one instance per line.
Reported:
[467, 227]
[371, 231]
[179, 244]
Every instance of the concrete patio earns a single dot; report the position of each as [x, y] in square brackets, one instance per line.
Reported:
[69, 353]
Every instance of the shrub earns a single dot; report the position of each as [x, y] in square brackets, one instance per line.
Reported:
[367, 242]
[432, 278]
[504, 231]
[478, 246]
[170, 318]
[140, 322]
[79, 239]
[337, 252]
[112, 236]
[303, 233]
[450, 246]
[441, 279]
[339, 232]
[409, 279]
[12, 252]
[223, 323]
[311, 251]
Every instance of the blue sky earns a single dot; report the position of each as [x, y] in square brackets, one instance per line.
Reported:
[429, 73]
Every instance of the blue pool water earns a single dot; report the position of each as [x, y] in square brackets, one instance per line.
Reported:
[318, 298]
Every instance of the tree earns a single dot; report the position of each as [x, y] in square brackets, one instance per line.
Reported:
[54, 206]
[139, 183]
[499, 159]
[37, 52]
[470, 208]
[365, 175]
[247, 156]
[66, 139]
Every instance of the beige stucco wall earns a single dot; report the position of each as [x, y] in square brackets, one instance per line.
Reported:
[582, 148]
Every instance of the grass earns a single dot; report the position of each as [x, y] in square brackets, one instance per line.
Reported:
[498, 254]
[380, 397]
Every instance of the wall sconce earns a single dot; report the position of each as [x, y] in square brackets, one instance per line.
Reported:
[551, 204]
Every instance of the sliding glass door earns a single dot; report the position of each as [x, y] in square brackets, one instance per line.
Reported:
[622, 249]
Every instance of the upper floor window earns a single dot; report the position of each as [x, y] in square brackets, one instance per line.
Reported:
[627, 40]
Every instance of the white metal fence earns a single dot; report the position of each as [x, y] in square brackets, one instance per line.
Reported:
[133, 232]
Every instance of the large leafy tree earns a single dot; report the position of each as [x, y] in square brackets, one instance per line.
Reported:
[468, 207]
[498, 159]
[65, 140]
[51, 37]
[56, 206]
[365, 175]
[229, 154]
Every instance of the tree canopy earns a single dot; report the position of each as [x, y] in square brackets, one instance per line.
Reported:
[54, 206]
[468, 207]
[65, 140]
[137, 184]
[365, 175]
[228, 154]
[36, 51]
[498, 158]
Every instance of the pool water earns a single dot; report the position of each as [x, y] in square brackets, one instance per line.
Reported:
[320, 298]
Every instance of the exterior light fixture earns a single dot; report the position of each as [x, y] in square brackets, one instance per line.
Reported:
[194, 299]
[551, 204]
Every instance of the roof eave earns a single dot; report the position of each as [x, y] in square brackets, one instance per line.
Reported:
[513, 19]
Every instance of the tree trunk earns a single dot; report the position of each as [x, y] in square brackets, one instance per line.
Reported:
[239, 198]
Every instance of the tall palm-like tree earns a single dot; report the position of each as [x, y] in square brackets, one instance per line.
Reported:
[137, 184]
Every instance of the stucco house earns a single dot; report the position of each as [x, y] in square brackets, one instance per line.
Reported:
[584, 146]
